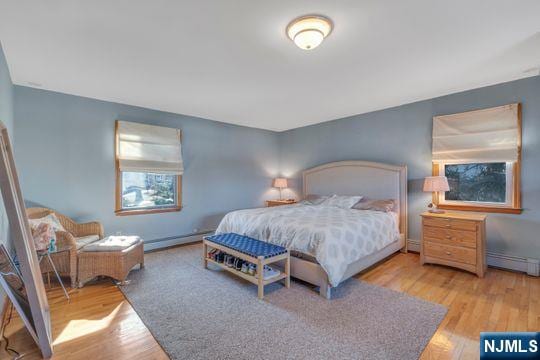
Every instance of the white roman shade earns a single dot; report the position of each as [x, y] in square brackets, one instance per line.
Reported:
[488, 135]
[149, 148]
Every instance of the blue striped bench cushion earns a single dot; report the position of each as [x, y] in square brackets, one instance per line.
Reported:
[247, 245]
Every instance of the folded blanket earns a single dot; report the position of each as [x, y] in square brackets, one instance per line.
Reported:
[113, 243]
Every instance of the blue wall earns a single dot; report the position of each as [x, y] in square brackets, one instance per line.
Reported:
[402, 135]
[65, 156]
[6, 116]
[64, 153]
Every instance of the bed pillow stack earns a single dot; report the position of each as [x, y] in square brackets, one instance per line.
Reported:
[341, 201]
[312, 199]
[376, 205]
[356, 202]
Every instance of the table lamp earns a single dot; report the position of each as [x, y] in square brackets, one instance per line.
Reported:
[280, 183]
[435, 184]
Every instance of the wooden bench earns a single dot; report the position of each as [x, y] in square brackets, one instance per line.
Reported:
[252, 250]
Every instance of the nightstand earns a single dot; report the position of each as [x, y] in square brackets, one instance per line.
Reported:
[454, 239]
[270, 203]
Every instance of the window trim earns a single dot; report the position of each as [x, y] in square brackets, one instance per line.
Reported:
[119, 211]
[515, 207]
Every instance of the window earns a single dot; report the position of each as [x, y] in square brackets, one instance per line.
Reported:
[479, 152]
[487, 185]
[148, 191]
[149, 168]
[480, 182]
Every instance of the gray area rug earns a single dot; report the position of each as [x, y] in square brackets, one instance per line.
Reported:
[210, 314]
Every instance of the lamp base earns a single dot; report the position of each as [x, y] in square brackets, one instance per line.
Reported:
[432, 208]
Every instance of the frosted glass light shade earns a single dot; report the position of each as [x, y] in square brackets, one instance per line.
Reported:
[280, 183]
[308, 32]
[436, 183]
[308, 39]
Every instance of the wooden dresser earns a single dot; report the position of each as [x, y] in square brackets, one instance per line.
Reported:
[454, 239]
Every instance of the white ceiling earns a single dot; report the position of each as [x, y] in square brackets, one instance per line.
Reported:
[231, 60]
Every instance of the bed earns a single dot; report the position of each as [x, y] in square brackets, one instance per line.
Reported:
[330, 244]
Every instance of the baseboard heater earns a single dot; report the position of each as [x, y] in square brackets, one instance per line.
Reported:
[162, 243]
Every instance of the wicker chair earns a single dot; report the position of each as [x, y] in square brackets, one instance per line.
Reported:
[66, 262]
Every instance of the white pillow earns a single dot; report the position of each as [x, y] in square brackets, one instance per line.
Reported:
[342, 201]
[313, 199]
[50, 219]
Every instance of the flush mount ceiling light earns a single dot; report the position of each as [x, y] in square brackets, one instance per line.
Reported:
[309, 31]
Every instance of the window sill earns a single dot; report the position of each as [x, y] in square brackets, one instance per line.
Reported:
[485, 209]
[125, 212]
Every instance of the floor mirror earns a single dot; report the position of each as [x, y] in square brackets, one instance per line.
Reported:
[39, 324]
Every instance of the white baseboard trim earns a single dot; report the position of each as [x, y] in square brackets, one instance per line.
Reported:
[527, 265]
[173, 241]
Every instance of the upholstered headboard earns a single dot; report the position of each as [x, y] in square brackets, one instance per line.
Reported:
[370, 179]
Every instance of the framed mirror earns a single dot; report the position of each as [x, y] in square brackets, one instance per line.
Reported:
[38, 316]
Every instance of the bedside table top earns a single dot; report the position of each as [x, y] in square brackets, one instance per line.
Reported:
[456, 215]
[281, 201]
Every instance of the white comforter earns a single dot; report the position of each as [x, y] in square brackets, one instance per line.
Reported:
[335, 237]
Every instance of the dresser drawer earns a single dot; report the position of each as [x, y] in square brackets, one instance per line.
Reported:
[451, 223]
[450, 236]
[449, 252]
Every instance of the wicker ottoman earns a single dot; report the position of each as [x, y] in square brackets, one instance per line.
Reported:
[115, 264]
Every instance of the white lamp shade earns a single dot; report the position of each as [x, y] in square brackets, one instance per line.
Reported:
[436, 183]
[280, 183]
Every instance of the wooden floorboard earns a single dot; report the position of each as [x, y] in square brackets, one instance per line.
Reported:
[99, 323]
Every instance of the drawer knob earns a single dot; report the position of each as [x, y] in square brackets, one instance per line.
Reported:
[447, 225]
[448, 253]
[448, 236]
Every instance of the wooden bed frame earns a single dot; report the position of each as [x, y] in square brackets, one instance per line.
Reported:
[369, 179]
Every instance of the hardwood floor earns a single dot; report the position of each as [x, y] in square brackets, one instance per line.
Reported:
[99, 323]
[502, 301]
